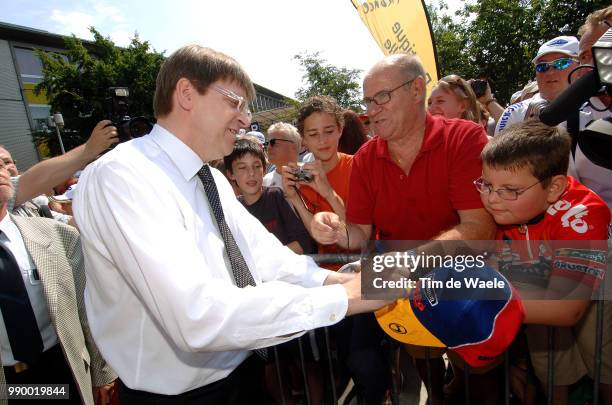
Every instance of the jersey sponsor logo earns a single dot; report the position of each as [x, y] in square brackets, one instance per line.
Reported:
[573, 217]
[503, 121]
[579, 268]
[585, 254]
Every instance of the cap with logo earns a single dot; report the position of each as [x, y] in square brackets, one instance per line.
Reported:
[564, 44]
[474, 312]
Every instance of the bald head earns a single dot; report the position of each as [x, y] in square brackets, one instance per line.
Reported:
[408, 66]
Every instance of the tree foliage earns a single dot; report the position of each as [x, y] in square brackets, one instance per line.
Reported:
[76, 81]
[497, 39]
[322, 78]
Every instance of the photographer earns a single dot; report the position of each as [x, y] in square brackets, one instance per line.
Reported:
[51, 172]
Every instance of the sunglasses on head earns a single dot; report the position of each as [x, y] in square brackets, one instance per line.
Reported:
[272, 142]
[558, 64]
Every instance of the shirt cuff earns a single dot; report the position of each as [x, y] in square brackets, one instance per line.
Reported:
[329, 305]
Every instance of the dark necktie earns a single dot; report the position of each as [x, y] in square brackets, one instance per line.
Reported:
[241, 271]
[21, 327]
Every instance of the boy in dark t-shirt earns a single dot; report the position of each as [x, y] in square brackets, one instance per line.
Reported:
[245, 166]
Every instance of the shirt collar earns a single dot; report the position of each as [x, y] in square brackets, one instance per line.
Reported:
[431, 139]
[7, 227]
[183, 157]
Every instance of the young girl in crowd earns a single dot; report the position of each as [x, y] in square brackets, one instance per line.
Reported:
[453, 97]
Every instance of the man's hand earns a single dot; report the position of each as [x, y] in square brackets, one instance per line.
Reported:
[355, 304]
[104, 394]
[102, 137]
[327, 228]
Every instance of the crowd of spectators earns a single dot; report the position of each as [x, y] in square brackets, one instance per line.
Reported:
[409, 174]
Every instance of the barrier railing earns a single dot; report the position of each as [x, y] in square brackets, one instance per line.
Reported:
[332, 395]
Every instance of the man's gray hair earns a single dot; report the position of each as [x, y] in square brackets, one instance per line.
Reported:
[410, 65]
[290, 132]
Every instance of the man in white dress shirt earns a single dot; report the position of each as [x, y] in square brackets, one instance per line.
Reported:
[161, 296]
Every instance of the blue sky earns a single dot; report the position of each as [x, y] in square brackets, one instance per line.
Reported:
[262, 35]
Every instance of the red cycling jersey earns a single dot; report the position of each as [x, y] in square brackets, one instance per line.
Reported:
[568, 240]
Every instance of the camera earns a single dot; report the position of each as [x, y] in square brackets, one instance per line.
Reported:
[479, 86]
[303, 175]
[117, 111]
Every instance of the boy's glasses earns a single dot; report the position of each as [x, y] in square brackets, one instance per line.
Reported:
[272, 142]
[242, 106]
[558, 64]
[382, 97]
[503, 193]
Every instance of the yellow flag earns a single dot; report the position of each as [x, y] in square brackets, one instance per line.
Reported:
[401, 26]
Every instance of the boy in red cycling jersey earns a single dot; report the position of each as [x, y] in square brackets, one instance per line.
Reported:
[560, 261]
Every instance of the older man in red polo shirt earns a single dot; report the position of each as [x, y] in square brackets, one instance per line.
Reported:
[413, 180]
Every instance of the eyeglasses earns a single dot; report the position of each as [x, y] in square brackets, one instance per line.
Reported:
[272, 142]
[242, 106]
[558, 64]
[382, 97]
[503, 193]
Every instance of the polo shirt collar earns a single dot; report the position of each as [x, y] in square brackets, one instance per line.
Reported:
[431, 140]
[183, 157]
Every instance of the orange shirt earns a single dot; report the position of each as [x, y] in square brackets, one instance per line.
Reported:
[339, 179]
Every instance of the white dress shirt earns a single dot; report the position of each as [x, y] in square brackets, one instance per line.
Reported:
[11, 239]
[160, 300]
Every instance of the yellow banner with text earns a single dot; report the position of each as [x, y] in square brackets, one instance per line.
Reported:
[401, 26]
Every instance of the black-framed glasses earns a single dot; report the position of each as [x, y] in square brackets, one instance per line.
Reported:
[558, 64]
[503, 193]
[242, 106]
[272, 142]
[382, 97]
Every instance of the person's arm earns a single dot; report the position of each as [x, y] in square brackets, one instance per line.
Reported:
[476, 224]
[491, 104]
[290, 187]
[295, 231]
[295, 247]
[322, 186]
[51, 172]
[554, 312]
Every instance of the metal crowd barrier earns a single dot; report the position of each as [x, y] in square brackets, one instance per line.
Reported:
[394, 364]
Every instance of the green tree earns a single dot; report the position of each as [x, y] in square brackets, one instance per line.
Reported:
[76, 82]
[450, 42]
[323, 79]
[497, 39]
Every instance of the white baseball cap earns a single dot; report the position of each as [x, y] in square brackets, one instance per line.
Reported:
[566, 45]
[260, 137]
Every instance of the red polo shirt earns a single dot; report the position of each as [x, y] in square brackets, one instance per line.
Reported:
[424, 203]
